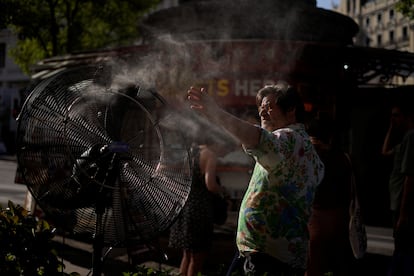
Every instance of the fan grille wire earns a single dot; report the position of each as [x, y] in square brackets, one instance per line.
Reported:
[68, 116]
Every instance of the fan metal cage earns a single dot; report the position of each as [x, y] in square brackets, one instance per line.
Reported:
[101, 160]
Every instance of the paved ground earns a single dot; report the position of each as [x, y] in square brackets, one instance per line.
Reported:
[78, 255]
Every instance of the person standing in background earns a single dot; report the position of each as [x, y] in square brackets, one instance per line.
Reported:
[401, 185]
[272, 231]
[392, 148]
[193, 230]
[329, 246]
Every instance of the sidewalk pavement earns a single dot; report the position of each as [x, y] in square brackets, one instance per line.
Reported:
[8, 157]
[78, 255]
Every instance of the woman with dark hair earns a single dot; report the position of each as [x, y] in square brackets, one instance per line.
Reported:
[193, 230]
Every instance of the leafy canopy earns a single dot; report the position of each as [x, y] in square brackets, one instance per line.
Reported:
[47, 28]
[406, 7]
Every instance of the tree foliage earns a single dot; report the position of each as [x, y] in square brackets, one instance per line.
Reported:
[47, 28]
[406, 7]
[26, 245]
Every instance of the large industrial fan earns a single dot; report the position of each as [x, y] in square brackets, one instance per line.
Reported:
[102, 160]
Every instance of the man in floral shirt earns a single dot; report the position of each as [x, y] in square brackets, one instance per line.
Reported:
[272, 230]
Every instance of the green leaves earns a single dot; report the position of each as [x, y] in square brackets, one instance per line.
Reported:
[48, 28]
[26, 246]
[406, 7]
[144, 271]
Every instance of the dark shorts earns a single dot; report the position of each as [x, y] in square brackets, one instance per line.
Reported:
[259, 264]
[402, 263]
[404, 239]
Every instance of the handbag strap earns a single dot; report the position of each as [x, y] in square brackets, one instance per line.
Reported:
[352, 178]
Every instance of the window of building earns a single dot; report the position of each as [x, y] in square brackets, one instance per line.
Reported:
[367, 21]
[391, 14]
[391, 36]
[367, 41]
[2, 55]
[379, 17]
[405, 33]
[379, 40]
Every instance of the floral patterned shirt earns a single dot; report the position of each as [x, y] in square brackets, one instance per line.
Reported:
[276, 206]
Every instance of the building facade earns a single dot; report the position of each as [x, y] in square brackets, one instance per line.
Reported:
[10, 74]
[12, 84]
[381, 25]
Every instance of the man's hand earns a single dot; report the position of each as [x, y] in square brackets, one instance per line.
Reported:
[201, 101]
[245, 132]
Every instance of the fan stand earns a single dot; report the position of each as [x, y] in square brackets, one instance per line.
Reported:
[98, 239]
[104, 168]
